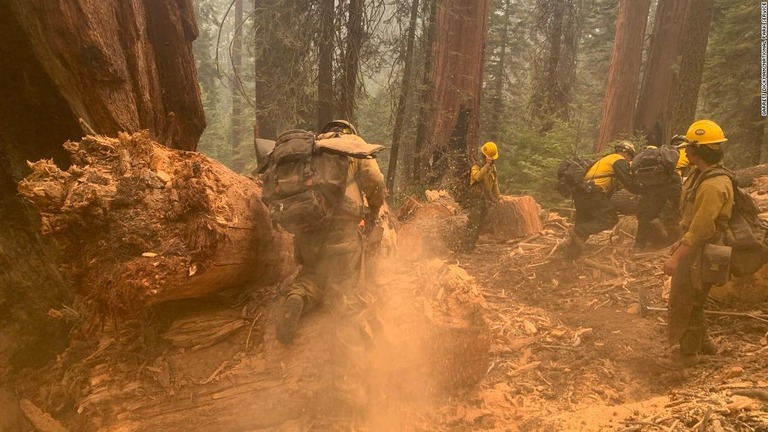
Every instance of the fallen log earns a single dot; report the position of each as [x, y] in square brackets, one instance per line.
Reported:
[140, 224]
[746, 176]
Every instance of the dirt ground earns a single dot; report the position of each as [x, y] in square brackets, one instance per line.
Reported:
[572, 353]
[569, 351]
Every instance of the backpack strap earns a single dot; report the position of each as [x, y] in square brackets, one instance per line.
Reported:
[712, 173]
[721, 224]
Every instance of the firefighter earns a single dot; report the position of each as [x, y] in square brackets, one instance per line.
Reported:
[594, 211]
[331, 256]
[658, 208]
[704, 203]
[484, 191]
[330, 262]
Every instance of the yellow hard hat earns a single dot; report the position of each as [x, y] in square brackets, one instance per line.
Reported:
[490, 150]
[704, 132]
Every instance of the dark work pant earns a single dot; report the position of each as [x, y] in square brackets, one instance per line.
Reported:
[662, 202]
[687, 298]
[478, 215]
[594, 213]
[329, 259]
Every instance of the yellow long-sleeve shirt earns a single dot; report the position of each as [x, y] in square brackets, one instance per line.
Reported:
[488, 178]
[713, 201]
[611, 172]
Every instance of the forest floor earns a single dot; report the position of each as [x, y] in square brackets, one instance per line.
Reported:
[571, 352]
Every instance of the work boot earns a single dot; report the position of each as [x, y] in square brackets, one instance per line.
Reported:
[690, 346]
[574, 245]
[576, 241]
[288, 318]
[659, 227]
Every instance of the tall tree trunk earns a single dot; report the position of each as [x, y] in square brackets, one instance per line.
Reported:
[497, 101]
[405, 89]
[120, 66]
[426, 107]
[457, 73]
[355, 34]
[555, 63]
[325, 68]
[652, 114]
[237, 101]
[624, 72]
[687, 79]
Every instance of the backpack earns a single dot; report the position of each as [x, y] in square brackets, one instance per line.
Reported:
[570, 175]
[302, 183]
[654, 166]
[745, 232]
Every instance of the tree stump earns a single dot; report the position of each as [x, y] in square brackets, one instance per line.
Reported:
[139, 224]
[515, 216]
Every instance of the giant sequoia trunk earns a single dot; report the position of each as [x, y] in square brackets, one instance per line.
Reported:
[120, 65]
[456, 76]
[624, 73]
[673, 72]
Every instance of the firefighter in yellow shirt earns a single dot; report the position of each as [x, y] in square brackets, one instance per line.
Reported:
[484, 190]
[594, 211]
[706, 200]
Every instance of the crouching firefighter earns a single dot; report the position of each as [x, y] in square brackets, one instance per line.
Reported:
[594, 211]
[707, 200]
[655, 172]
[315, 188]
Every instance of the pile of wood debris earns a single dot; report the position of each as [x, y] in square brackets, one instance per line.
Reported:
[572, 352]
[139, 224]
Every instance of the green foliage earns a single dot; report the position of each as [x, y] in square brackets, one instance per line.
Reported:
[529, 159]
[730, 87]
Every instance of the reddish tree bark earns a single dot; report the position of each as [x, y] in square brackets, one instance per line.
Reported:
[652, 114]
[457, 75]
[121, 66]
[624, 72]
